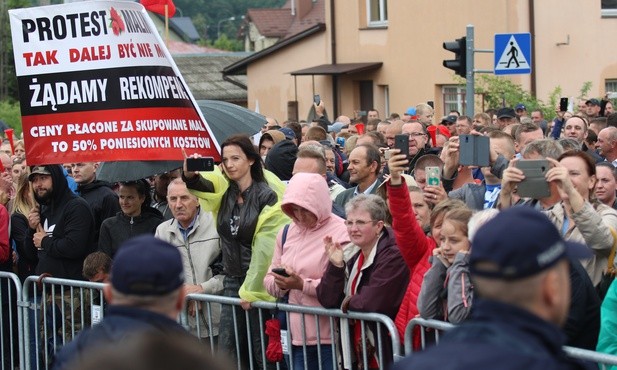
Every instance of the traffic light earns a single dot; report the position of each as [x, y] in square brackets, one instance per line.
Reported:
[459, 63]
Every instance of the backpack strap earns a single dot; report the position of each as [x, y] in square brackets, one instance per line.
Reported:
[284, 236]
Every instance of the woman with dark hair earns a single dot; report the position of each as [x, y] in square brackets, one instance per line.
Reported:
[248, 220]
[136, 217]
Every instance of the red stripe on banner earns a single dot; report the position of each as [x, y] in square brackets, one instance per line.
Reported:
[116, 135]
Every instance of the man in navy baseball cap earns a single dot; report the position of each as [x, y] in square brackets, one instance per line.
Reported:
[146, 294]
[519, 266]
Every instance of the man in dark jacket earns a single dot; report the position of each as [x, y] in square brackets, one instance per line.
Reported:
[524, 283]
[146, 295]
[61, 227]
[99, 194]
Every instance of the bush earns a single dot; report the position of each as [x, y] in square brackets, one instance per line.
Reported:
[11, 115]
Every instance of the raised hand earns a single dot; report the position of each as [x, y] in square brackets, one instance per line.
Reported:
[334, 251]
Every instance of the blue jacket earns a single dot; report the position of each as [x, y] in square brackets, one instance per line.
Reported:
[498, 336]
[119, 323]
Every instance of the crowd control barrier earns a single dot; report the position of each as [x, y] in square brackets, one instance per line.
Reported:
[54, 311]
[373, 328]
[436, 327]
[11, 337]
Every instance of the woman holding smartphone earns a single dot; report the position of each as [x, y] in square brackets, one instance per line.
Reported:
[248, 220]
[300, 261]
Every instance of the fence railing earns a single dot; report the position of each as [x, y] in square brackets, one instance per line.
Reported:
[11, 337]
[373, 328]
[55, 310]
[437, 327]
[46, 313]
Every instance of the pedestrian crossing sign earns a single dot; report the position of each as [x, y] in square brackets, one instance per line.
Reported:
[512, 53]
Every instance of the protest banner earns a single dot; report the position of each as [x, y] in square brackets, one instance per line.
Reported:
[96, 83]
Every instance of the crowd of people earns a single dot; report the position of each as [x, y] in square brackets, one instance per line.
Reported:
[329, 213]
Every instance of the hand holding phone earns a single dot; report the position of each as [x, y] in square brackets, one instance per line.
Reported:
[401, 142]
[433, 175]
[316, 99]
[200, 164]
[474, 150]
[280, 271]
[563, 104]
[534, 185]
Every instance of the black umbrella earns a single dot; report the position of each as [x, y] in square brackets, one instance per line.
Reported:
[226, 119]
[134, 170]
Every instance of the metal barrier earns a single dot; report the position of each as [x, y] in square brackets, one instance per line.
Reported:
[601, 359]
[11, 335]
[376, 327]
[54, 311]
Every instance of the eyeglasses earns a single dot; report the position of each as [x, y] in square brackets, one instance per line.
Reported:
[359, 223]
[416, 134]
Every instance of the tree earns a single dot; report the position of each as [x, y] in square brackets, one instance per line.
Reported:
[8, 81]
[500, 91]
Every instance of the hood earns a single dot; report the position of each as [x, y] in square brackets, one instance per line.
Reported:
[281, 159]
[309, 191]
[93, 185]
[60, 185]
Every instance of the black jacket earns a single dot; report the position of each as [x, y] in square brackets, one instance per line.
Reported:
[236, 245]
[102, 200]
[120, 324]
[121, 227]
[583, 325]
[28, 258]
[72, 238]
[498, 336]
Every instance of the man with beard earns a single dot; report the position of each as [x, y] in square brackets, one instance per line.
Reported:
[61, 226]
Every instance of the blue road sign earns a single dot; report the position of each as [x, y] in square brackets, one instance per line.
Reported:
[512, 53]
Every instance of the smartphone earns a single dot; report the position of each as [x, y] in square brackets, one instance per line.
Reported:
[316, 99]
[431, 104]
[401, 142]
[563, 104]
[362, 113]
[535, 185]
[200, 164]
[280, 271]
[433, 175]
[474, 150]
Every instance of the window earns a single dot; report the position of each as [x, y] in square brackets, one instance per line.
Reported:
[610, 86]
[609, 8]
[453, 98]
[377, 12]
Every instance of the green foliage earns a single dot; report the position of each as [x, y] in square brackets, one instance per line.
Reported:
[585, 89]
[207, 13]
[11, 115]
[500, 91]
[224, 43]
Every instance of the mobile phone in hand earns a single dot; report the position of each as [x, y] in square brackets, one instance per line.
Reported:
[563, 104]
[433, 175]
[280, 271]
[401, 142]
[316, 99]
[534, 185]
[200, 164]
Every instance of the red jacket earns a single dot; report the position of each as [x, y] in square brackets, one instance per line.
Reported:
[415, 247]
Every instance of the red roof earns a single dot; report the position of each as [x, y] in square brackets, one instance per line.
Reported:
[281, 24]
[271, 22]
[181, 47]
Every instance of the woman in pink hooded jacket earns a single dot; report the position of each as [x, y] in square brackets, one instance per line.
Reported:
[302, 255]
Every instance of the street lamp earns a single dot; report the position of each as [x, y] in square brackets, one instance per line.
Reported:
[218, 27]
